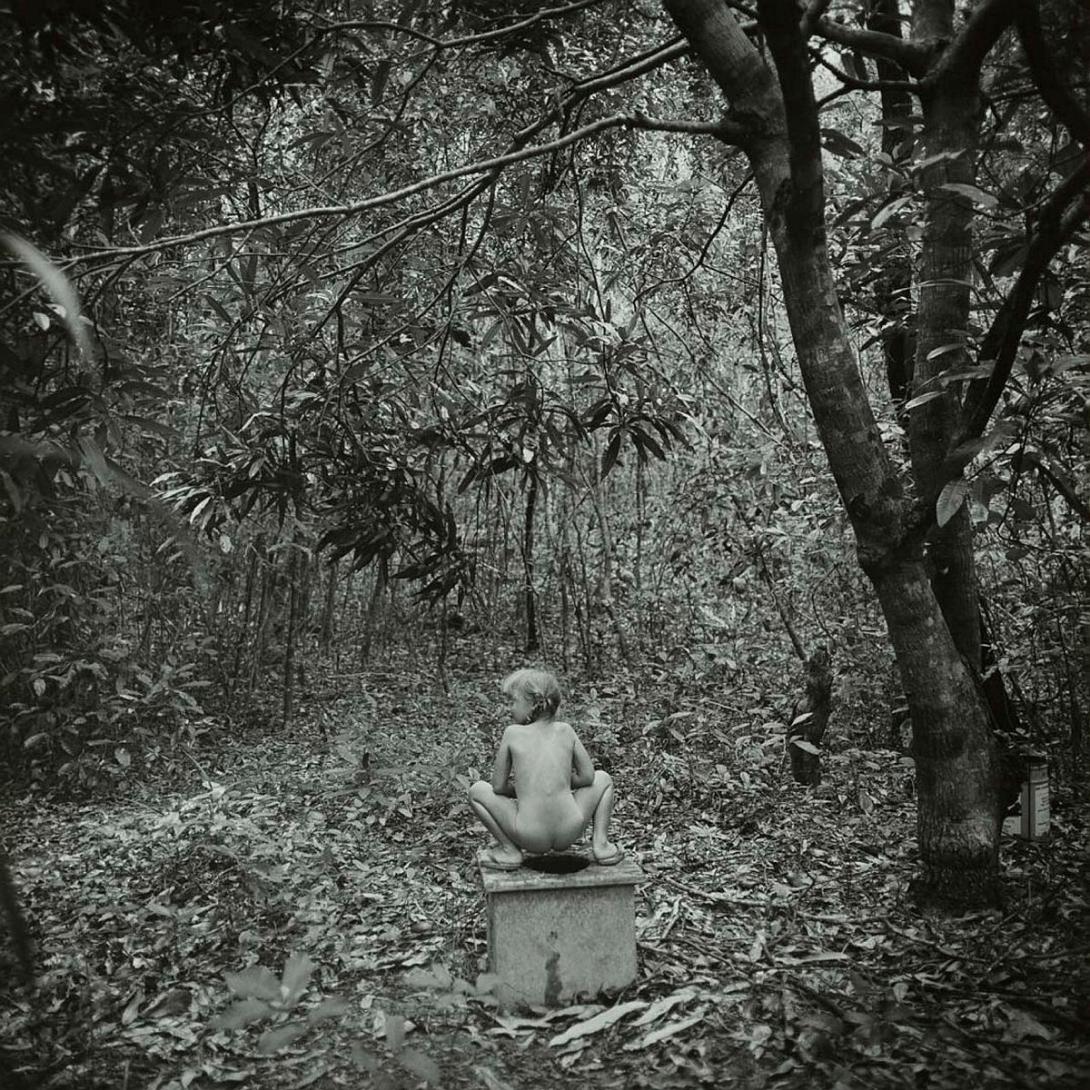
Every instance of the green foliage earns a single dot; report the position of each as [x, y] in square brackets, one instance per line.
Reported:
[106, 106]
[81, 698]
[262, 997]
[311, 412]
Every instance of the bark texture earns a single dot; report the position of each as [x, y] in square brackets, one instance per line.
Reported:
[951, 108]
[893, 282]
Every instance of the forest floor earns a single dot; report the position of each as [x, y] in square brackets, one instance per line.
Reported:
[303, 909]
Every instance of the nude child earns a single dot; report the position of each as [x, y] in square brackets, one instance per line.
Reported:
[544, 789]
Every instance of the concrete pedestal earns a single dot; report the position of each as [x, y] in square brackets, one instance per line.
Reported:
[555, 937]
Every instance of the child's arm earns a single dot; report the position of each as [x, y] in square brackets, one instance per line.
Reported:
[582, 765]
[501, 769]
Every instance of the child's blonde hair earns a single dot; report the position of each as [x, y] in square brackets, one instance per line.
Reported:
[537, 686]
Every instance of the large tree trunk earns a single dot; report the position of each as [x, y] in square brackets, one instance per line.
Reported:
[957, 768]
[951, 121]
[958, 820]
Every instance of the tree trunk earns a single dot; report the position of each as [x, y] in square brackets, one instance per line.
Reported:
[605, 578]
[267, 568]
[951, 121]
[892, 288]
[243, 635]
[533, 641]
[329, 608]
[15, 920]
[958, 819]
[957, 768]
[809, 720]
[374, 607]
[288, 693]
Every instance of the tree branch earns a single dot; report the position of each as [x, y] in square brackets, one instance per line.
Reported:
[468, 39]
[481, 166]
[631, 68]
[1063, 213]
[966, 52]
[1058, 221]
[648, 290]
[815, 9]
[911, 56]
[733, 63]
[1059, 482]
[1056, 95]
[788, 46]
[856, 84]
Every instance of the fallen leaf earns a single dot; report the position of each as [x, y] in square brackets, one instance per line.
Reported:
[296, 977]
[514, 1023]
[572, 1012]
[272, 1040]
[490, 1079]
[328, 1008]
[671, 1029]
[174, 1002]
[759, 1035]
[308, 1080]
[812, 959]
[661, 1006]
[599, 1022]
[128, 1015]
[1021, 1025]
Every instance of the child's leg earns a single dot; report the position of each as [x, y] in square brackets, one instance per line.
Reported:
[596, 803]
[497, 814]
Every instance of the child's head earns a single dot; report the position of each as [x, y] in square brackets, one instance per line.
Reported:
[536, 694]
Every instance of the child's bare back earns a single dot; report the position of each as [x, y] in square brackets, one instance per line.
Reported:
[542, 756]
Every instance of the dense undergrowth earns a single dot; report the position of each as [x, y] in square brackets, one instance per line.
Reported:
[778, 942]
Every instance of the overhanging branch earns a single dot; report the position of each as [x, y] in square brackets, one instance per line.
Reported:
[482, 166]
[467, 39]
[911, 56]
[854, 83]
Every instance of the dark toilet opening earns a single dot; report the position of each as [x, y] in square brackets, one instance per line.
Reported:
[556, 864]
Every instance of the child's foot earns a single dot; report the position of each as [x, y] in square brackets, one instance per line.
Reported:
[608, 854]
[498, 859]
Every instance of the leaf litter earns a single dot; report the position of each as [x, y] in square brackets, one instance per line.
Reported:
[291, 920]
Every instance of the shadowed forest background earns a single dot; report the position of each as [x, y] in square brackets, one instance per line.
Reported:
[732, 363]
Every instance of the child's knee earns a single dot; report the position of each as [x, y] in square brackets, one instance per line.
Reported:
[602, 779]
